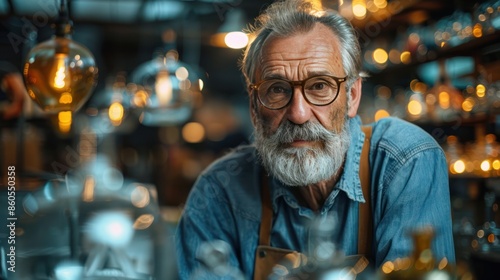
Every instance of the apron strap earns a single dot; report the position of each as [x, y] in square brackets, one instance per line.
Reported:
[266, 220]
[365, 226]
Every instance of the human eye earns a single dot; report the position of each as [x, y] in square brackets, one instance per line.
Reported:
[274, 92]
[275, 88]
[278, 87]
[320, 85]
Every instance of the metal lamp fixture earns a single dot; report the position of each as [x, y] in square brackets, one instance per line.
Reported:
[59, 73]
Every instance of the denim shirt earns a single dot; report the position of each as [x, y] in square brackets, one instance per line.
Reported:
[409, 188]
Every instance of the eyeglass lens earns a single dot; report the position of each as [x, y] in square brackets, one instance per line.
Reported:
[276, 93]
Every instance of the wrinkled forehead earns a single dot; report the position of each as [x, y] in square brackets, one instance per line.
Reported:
[316, 50]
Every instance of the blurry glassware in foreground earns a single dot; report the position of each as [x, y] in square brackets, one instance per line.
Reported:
[95, 224]
[324, 259]
[166, 88]
[59, 73]
[421, 264]
[214, 258]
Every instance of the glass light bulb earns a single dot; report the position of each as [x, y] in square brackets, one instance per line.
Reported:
[60, 74]
[166, 91]
[61, 78]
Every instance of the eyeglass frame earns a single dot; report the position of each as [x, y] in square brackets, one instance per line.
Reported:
[301, 83]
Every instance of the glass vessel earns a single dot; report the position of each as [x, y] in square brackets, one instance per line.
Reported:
[214, 258]
[93, 224]
[421, 264]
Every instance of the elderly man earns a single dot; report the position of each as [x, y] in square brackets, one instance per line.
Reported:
[303, 73]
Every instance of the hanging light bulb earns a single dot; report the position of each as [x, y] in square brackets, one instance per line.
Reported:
[230, 34]
[109, 110]
[167, 89]
[60, 74]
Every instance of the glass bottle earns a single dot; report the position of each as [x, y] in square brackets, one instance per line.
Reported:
[421, 264]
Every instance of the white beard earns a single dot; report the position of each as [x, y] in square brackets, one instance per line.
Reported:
[302, 166]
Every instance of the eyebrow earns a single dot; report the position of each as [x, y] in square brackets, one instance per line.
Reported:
[309, 74]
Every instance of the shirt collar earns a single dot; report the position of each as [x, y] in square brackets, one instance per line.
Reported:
[349, 181]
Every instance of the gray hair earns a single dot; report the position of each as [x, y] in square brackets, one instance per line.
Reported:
[286, 18]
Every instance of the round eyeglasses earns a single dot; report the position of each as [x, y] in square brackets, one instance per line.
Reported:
[277, 93]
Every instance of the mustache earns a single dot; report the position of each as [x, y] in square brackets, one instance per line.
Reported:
[288, 132]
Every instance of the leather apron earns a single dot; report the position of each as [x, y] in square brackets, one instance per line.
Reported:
[267, 257]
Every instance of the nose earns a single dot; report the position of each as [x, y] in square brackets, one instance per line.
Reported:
[299, 110]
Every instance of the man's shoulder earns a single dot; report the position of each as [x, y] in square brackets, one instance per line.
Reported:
[241, 157]
[403, 134]
[234, 172]
[232, 180]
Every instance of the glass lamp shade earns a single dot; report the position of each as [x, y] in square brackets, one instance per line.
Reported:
[108, 110]
[165, 90]
[60, 74]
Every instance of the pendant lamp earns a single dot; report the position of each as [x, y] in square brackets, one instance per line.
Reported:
[166, 90]
[60, 73]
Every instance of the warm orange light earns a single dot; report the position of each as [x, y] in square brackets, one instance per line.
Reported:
[485, 165]
[406, 57]
[193, 132]
[491, 238]
[380, 3]
[163, 88]
[144, 221]
[115, 113]
[140, 98]
[480, 90]
[60, 75]
[458, 167]
[64, 121]
[88, 189]
[468, 104]
[477, 30]
[65, 98]
[444, 100]
[359, 8]
[388, 267]
[496, 164]
[380, 56]
[417, 86]
[381, 114]
[414, 108]
[443, 263]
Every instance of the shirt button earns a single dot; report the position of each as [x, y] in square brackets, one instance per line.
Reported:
[262, 253]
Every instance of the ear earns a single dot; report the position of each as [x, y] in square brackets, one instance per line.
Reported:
[355, 98]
